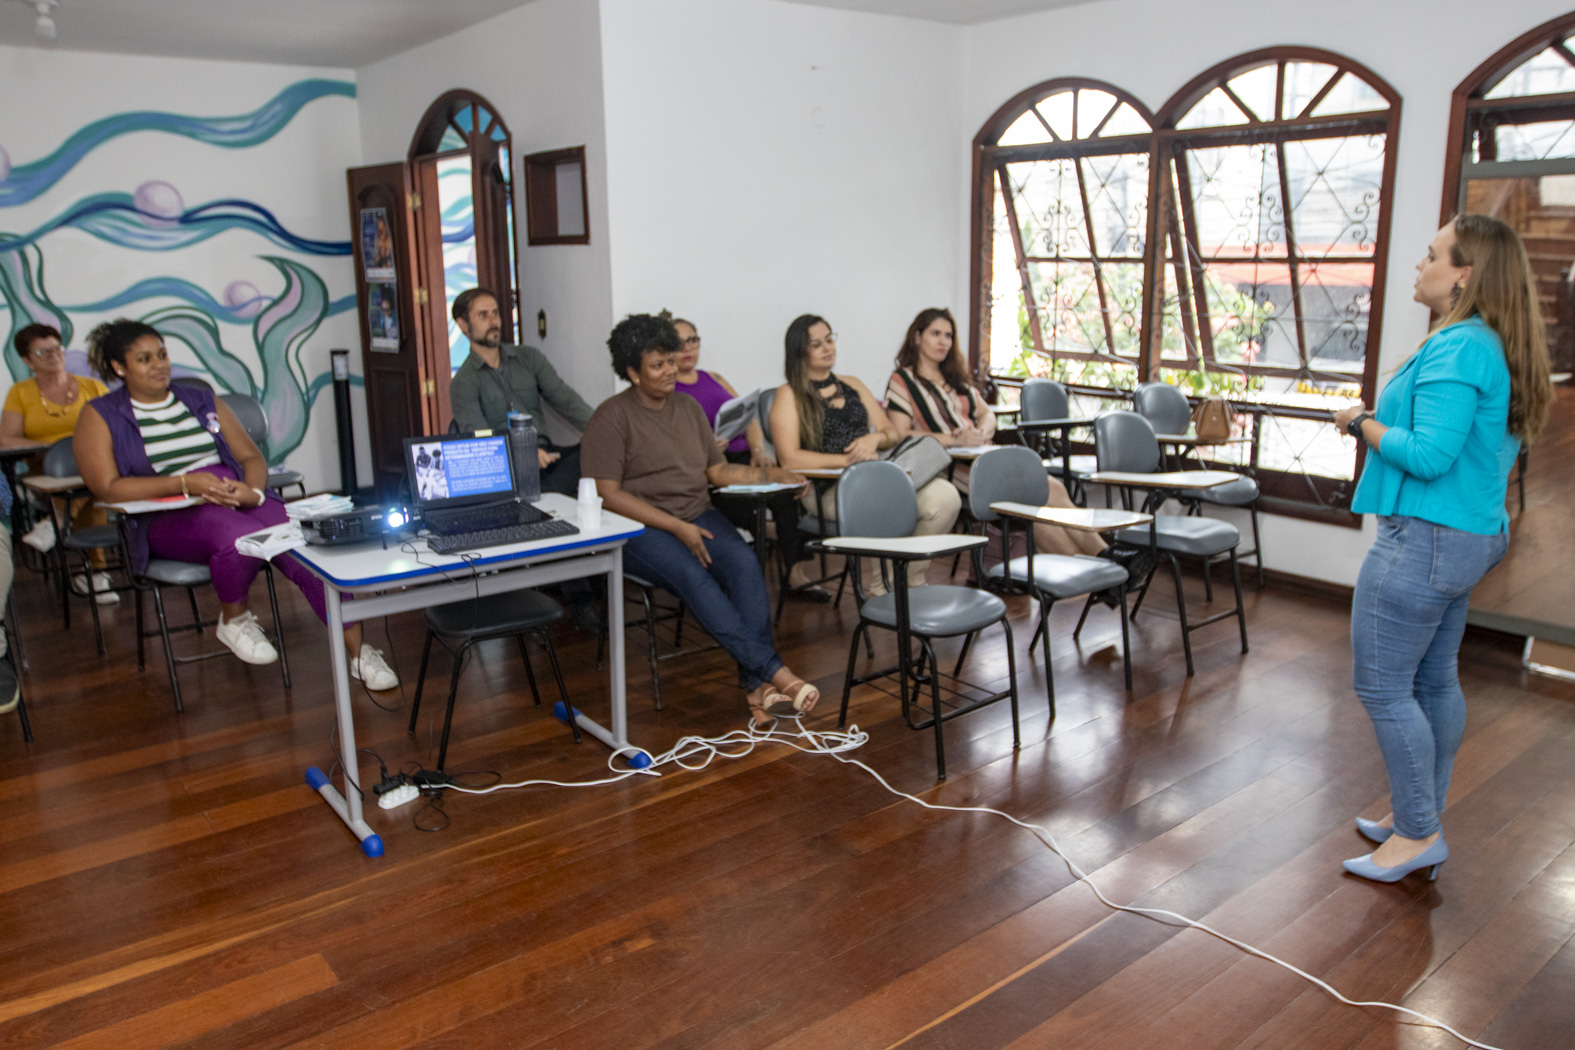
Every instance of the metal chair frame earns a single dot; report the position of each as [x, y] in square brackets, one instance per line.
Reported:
[458, 655]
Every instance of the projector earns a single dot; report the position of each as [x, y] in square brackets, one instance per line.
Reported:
[356, 526]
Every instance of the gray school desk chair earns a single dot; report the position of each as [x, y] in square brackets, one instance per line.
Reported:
[61, 462]
[1171, 413]
[254, 420]
[1016, 475]
[460, 625]
[1048, 399]
[1126, 443]
[875, 502]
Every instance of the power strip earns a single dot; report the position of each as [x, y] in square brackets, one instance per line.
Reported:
[393, 798]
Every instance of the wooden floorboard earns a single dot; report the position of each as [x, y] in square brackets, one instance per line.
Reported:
[170, 881]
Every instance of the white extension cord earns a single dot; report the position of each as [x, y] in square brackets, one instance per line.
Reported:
[695, 753]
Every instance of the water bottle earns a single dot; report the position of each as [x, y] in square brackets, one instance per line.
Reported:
[522, 454]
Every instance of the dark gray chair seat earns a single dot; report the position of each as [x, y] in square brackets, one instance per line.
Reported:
[512, 614]
[283, 479]
[92, 538]
[177, 573]
[1236, 493]
[812, 524]
[494, 616]
[1063, 576]
[938, 611]
[1203, 537]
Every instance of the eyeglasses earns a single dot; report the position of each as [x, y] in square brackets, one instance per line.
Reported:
[47, 351]
[693, 340]
[829, 340]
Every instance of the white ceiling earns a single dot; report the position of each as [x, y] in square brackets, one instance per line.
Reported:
[344, 33]
[965, 12]
[336, 33]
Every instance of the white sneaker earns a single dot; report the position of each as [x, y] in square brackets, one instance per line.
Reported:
[245, 639]
[41, 536]
[371, 668]
[102, 592]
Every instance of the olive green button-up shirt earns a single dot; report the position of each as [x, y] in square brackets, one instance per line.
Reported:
[481, 398]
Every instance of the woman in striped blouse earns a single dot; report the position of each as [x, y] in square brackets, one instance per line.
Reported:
[930, 393]
[149, 440]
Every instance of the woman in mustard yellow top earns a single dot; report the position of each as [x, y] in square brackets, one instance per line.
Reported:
[42, 410]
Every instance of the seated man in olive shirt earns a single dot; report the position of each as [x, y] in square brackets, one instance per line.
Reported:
[498, 378]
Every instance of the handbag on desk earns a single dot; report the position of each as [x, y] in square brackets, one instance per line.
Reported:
[921, 457]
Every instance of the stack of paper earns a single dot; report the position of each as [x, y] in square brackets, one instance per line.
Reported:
[271, 541]
[323, 506]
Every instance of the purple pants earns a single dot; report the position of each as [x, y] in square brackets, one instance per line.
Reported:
[207, 533]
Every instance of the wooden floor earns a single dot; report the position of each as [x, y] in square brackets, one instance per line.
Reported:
[171, 881]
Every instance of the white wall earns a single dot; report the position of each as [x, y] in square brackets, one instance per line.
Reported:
[1153, 47]
[296, 173]
[540, 65]
[769, 159]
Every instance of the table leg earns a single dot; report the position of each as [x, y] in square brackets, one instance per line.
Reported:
[618, 737]
[347, 805]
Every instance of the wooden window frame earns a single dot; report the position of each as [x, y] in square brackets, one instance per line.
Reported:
[541, 196]
[1290, 493]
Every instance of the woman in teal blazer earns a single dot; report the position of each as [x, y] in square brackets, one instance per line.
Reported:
[1440, 443]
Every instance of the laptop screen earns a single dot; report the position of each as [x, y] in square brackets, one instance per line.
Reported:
[458, 471]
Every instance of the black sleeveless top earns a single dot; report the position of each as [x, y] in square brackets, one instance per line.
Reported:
[840, 427]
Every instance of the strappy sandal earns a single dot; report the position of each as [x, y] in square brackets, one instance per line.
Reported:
[789, 704]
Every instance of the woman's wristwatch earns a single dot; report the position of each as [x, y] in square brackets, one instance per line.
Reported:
[1354, 427]
[262, 497]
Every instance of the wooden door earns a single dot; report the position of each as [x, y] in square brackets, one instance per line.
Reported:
[396, 368]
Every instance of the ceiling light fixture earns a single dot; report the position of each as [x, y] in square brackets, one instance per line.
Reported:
[44, 27]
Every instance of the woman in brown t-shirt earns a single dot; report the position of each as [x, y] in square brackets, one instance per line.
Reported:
[655, 459]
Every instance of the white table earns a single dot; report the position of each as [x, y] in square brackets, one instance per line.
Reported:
[408, 576]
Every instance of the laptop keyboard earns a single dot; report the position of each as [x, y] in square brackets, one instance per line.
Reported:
[497, 537]
[477, 519]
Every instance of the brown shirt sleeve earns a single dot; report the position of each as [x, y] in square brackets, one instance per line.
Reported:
[604, 447]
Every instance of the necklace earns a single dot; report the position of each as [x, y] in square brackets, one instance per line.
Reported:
[58, 411]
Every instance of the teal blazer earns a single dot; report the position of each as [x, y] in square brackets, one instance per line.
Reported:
[1448, 451]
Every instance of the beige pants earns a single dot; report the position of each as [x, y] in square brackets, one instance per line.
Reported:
[939, 504]
[1052, 539]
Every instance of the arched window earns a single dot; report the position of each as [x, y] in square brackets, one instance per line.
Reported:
[461, 156]
[1512, 155]
[1277, 176]
[1065, 169]
[1235, 244]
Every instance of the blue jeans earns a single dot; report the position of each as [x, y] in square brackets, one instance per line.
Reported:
[1407, 618]
[728, 598]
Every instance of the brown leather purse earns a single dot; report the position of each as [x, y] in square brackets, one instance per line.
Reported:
[1213, 421]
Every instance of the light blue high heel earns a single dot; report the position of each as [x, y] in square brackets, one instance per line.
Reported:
[1431, 858]
[1372, 830]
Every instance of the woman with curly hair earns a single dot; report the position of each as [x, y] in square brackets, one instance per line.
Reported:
[655, 459]
[150, 440]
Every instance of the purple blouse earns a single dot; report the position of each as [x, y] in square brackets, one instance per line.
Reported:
[712, 396]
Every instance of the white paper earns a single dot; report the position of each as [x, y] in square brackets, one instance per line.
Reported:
[734, 417]
[269, 542]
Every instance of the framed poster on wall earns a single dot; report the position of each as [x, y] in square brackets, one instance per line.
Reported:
[377, 245]
[382, 315]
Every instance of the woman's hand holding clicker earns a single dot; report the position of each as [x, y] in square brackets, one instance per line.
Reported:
[694, 538]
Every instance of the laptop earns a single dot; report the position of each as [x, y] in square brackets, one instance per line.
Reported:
[465, 484]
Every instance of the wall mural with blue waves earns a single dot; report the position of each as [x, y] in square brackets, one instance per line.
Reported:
[245, 334]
